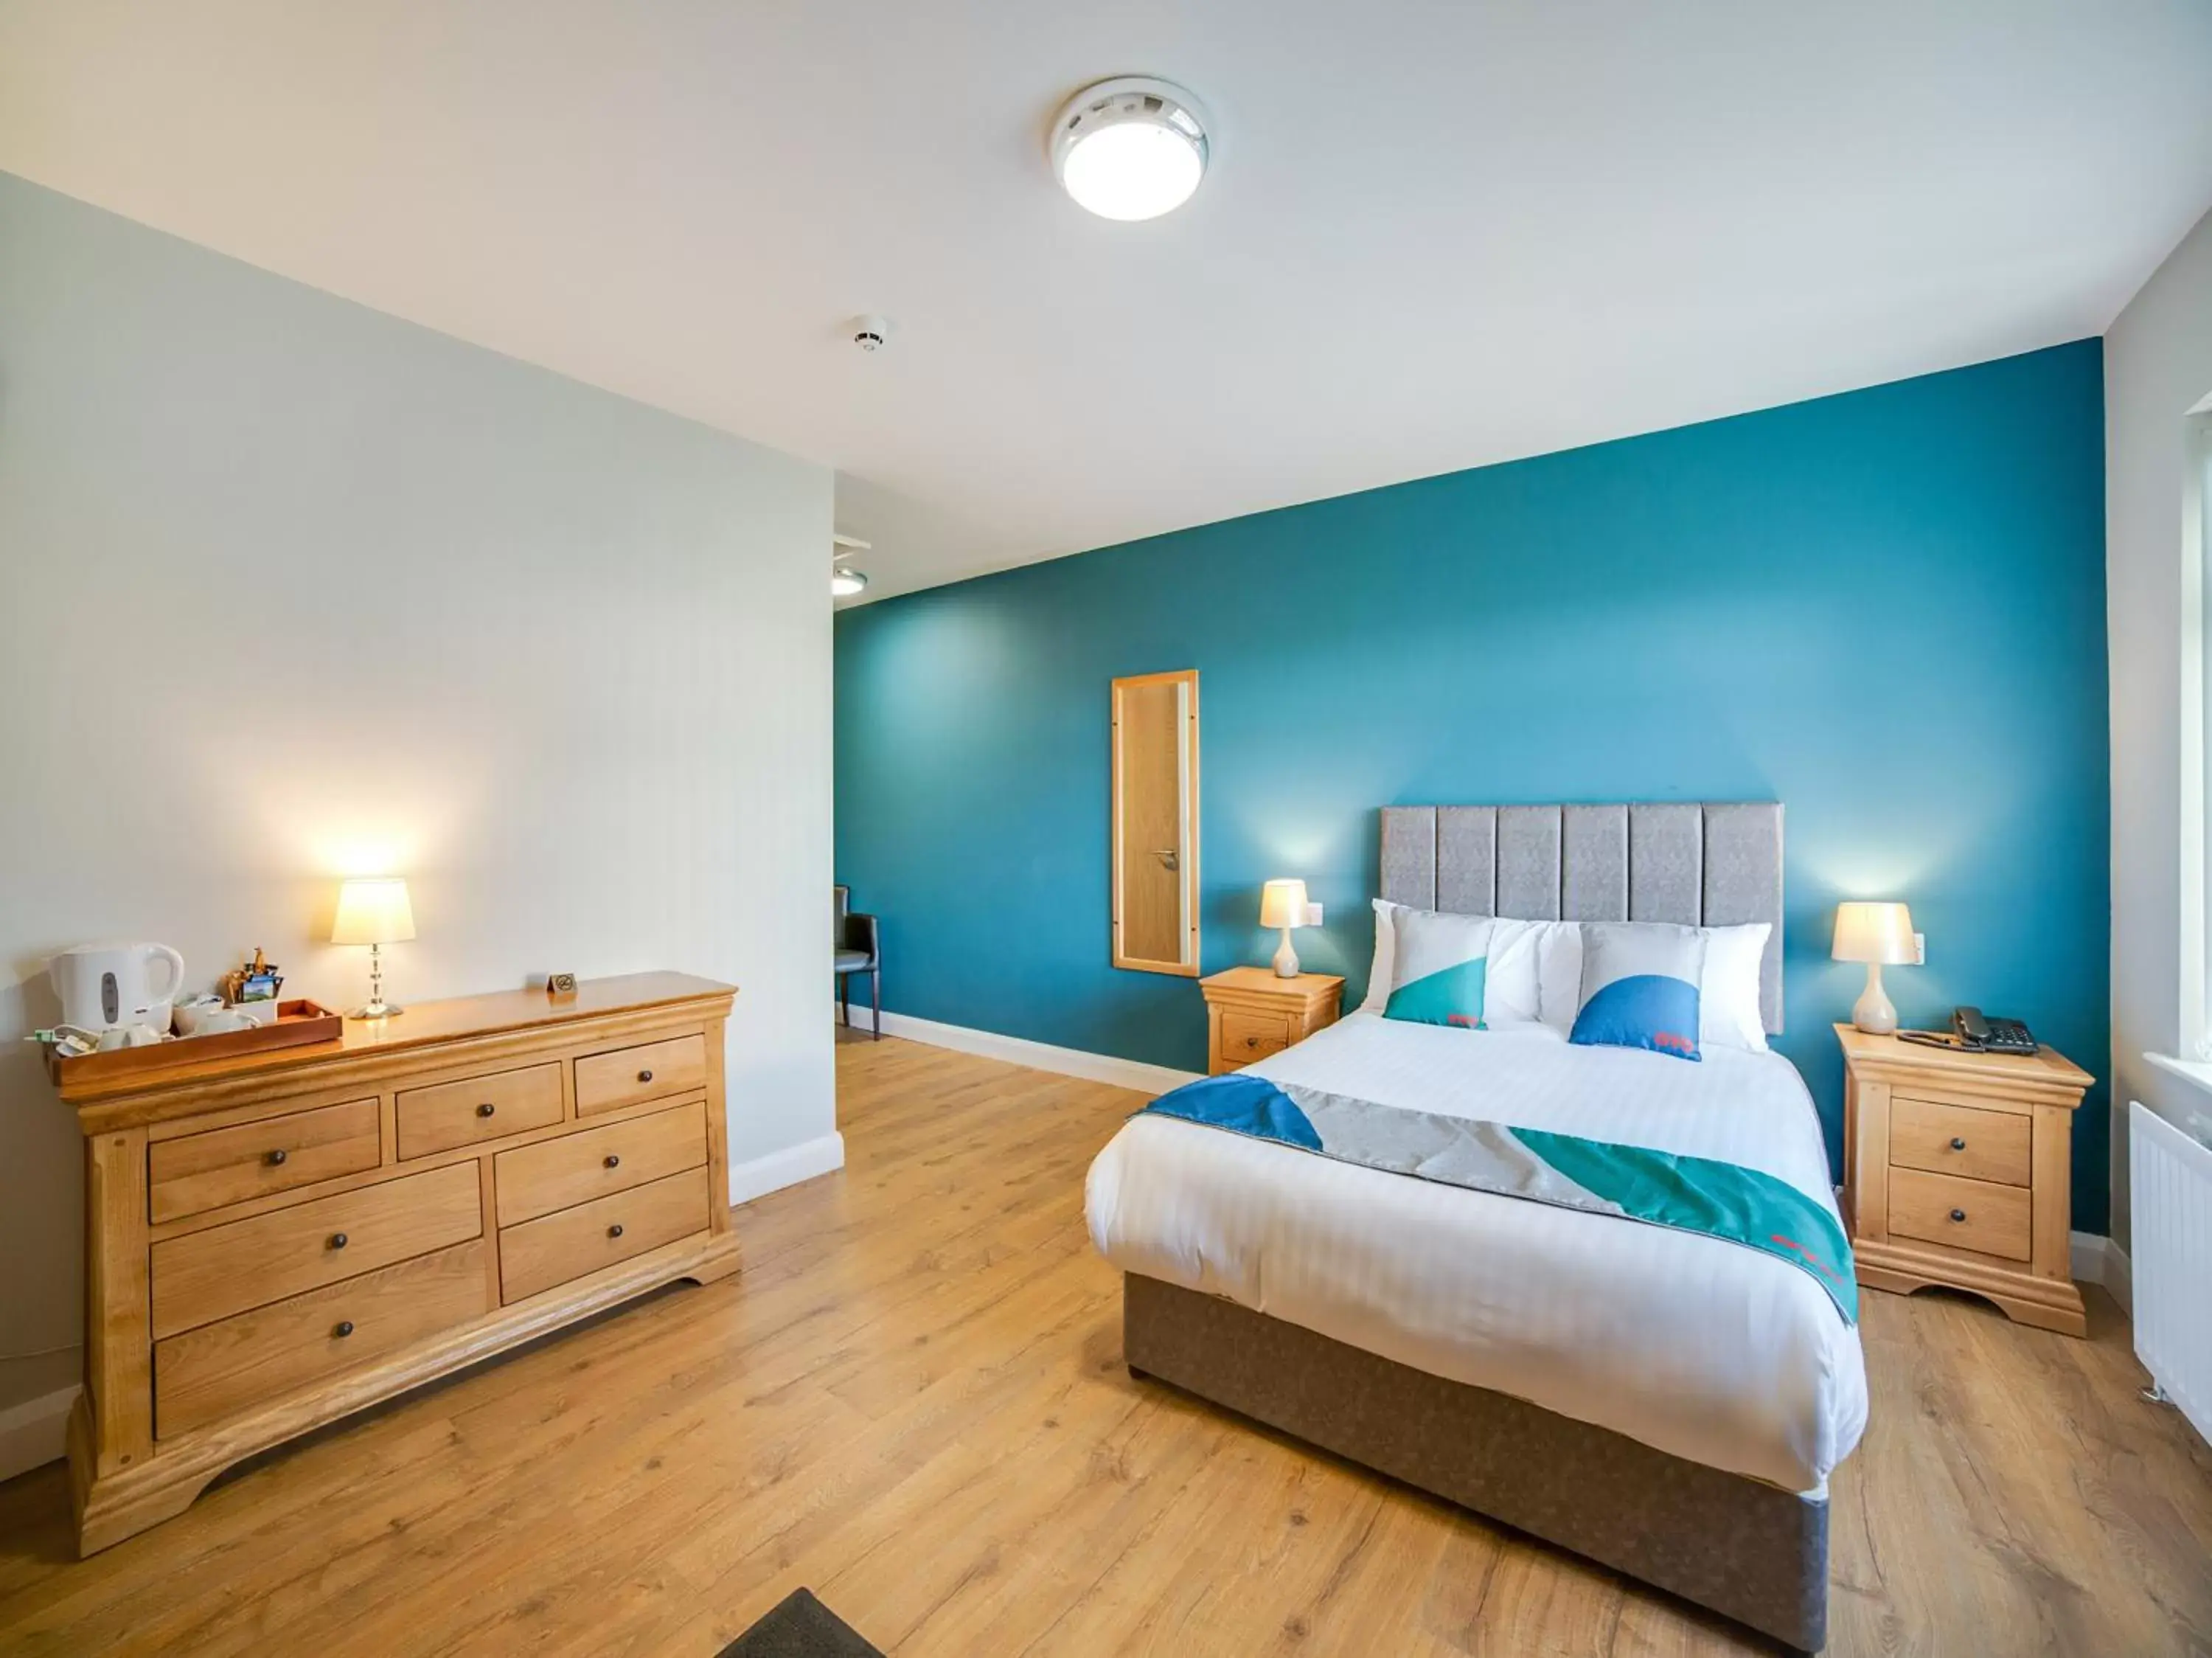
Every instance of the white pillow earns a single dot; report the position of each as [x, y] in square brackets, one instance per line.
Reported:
[1386, 958]
[1510, 990]
[1558, 972]
[1513, 995]
[1727, 990]
[1728, 987]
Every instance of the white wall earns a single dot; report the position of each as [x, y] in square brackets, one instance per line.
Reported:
[2158, 366]
[290, 589]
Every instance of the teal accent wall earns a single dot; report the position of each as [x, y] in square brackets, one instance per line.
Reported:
[1885, 609]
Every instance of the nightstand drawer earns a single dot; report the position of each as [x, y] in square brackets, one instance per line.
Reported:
[1976, 1144]
[1977, 1215]
[1248, 1036]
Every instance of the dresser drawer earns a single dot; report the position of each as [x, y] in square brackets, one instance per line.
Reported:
[1981, 1145]
[482, 1108]
[223, 1367]
[1977, 1215]
[629, 1076]
[201, 1171]
[210, 1275]
[534, 1181]
[538, 1254]
[1246, 1037]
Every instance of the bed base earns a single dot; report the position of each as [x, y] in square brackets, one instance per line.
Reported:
[1746, 1550]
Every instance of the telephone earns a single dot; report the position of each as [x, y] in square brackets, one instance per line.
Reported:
[1972, 1034]
[1989, 1035]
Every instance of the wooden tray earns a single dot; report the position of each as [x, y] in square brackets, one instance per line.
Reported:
[297, 1024]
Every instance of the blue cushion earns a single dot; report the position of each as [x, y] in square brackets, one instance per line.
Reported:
[1640, 988]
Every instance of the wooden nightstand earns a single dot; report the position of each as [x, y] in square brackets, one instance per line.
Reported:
[1250, 1013]
[1957, 1171]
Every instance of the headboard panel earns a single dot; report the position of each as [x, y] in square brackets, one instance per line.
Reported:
[1702, 865]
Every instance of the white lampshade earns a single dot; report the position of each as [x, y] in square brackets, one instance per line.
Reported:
[373, 913]
[1283, 903]
[1875, 932]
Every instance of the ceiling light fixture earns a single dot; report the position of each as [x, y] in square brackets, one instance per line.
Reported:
[1131, 148]
[844, 581]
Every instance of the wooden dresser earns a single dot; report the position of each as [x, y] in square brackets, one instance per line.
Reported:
[1957, 1171]
[1250, 1014]
[275, 1240]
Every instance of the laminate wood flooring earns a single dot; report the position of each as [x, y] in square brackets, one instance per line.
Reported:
[912, 1400]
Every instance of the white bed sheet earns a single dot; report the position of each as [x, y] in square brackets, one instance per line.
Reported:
[1697, 1347]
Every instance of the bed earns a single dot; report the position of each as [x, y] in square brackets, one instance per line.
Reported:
[1668, 1403]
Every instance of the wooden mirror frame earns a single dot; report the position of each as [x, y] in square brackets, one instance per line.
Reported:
[1188, 853]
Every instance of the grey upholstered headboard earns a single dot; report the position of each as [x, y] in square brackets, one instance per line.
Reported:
[1703, 865]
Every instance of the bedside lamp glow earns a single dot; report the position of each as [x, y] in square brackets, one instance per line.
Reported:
[1876, 934]
[1283, 903]
[375, 913]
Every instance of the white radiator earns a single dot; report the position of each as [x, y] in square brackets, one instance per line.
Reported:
[2170, 1197]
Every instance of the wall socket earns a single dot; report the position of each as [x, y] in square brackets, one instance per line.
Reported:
[1920, 949]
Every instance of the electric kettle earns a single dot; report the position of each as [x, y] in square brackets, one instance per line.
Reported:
[105, 987]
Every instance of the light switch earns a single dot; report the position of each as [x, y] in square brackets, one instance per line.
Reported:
[1920, 949]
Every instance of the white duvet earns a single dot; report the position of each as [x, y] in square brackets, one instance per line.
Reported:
[1695, 1346]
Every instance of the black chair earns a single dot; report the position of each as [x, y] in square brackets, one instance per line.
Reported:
[858, 951]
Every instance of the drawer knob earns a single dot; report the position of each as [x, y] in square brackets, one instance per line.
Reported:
[345, 1328]
[645, 1076]
[275, 1158]
[337, 1240]
[614, 1231]
[486, 1109]
[614, 1160]
[1958, 1214]
[1251, 1041]
[1958, 1142]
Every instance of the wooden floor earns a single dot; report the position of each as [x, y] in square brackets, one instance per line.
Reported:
[912, 1400]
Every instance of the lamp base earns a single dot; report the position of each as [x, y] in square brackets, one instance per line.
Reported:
[1874, 1013]
[375, 1010]
[1286, 959]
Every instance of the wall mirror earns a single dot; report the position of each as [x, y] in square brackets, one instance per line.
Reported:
[1156, 823]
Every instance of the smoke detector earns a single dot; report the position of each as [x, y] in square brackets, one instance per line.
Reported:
[869, 333]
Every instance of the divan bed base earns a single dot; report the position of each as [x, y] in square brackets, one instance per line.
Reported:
[1744, 1548]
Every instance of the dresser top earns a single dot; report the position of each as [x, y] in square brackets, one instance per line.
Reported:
[422, 1024]
[2047, 1068]
[1240, 982]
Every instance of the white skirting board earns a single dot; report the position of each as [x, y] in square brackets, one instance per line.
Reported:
[758, 1176]
[32, 1433]
[1039, 1056]
[2101, 1260]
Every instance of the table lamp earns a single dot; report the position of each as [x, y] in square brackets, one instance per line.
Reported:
[1874, 934]
[1283, 903]
[375, 913]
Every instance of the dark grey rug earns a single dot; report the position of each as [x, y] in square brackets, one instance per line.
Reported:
[801, 1626]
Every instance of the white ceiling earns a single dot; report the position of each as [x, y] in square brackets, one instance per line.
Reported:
[1434, 235]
